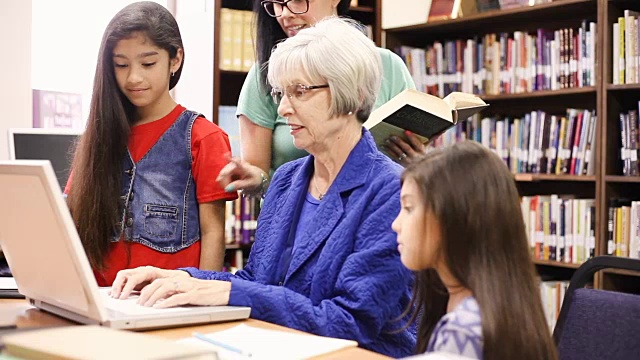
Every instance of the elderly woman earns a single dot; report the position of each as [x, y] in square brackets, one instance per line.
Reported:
[325, 259]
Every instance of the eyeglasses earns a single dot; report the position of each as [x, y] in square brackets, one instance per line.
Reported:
[274, 8]
[297, 90]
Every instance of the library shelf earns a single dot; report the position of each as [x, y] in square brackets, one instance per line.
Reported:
[492, 17]
[623, 87]
[621, 272]
[552, 177]
[496, 19]
[621, 179]
[560, 14]
[556, 264]
[588, 90]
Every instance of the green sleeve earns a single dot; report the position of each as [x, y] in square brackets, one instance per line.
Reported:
[395, 77]
[255, 103]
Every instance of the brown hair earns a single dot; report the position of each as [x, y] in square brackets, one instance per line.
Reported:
[94, 197]
[484, 245]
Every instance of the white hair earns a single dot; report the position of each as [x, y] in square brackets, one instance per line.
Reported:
[335, 52]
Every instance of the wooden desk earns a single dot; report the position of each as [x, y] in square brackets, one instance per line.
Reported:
[23, 315]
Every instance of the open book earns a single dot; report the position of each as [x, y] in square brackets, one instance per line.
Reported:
[424, 115]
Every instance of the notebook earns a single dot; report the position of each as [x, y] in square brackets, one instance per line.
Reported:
[51, 269]
[232, 344]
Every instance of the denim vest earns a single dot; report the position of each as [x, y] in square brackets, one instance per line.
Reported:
[159, 207]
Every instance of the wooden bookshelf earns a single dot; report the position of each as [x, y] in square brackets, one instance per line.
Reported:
[615, 99]
[232, 80]
[621, 179]
[490, 19]
[554, 15]
[608, 99]
[556, 264]
[623, 87]
[551, 177]
[621, 272]
[587, 90]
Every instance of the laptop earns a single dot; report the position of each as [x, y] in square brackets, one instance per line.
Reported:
[55, 145]
[51, 269]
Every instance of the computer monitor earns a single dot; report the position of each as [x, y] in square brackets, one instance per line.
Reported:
[55, 145]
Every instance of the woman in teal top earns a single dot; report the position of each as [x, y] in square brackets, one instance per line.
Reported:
[265, 136]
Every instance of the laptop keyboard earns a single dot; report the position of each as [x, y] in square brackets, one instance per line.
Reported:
[129, 307]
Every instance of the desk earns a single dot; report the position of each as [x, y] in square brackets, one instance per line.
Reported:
[23, 315]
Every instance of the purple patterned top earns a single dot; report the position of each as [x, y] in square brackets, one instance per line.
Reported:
[460, 331]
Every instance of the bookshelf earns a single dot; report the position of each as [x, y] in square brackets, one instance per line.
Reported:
[227, 84]
[616, 99]
[606, 180]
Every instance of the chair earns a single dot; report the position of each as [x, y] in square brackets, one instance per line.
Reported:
[598, 324]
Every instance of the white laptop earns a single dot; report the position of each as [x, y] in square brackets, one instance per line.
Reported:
[49, 264]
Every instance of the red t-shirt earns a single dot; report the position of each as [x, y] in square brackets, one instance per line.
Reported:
[209, 144]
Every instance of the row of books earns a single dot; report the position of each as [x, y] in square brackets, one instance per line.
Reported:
[552, 294]
[236, 40]
[630, 139]
[506, 63]
[626, 56]
[537, 143]
[623, 228]
[560, 227]
[241, 220]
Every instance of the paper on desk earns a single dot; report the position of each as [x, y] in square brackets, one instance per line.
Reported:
[271, 344]
[8, 283]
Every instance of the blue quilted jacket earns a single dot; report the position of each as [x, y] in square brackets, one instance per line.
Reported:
[346, 280]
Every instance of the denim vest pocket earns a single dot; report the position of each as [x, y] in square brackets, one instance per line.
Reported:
[160, 220]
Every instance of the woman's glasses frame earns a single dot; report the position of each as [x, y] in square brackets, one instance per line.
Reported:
[270, 7]
[297, 90]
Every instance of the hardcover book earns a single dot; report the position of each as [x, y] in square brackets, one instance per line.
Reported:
[96, 342]
[425, 115]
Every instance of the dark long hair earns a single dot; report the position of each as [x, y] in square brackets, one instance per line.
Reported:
[269, 33]
[94, 197]
[484, 245]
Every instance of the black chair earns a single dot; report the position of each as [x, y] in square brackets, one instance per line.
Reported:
[598, 324]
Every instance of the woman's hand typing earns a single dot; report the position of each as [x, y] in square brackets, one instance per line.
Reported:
[130, 280]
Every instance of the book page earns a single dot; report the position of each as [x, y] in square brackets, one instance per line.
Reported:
[269, 344]
[458, 100]
[432, 105]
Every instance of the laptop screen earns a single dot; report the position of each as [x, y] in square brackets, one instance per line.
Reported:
[55, 145]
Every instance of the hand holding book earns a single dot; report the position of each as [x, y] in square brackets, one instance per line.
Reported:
[404, 149]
